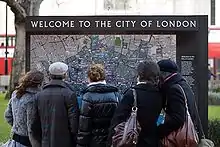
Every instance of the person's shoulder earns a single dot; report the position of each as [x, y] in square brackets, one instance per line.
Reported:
[127, 90]
[175, 86]
[88, 96]
[101, 88]
[128, 93]
[187, 88]
[181, 86]
[67, 91]
[13, 95]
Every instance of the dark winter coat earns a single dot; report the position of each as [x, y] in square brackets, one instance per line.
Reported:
[57, 115]
[175, 107]
[99, 103]
[149, 103]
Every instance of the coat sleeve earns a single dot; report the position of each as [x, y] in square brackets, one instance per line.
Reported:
[121, 114]
[34, 125]
[31, 112]
[176, 112]
[73, 114]
[85, 123]
[8, 113]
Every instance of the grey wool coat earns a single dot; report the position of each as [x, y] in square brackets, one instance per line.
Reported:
[56, 120]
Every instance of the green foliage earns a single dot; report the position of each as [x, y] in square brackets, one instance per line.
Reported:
[118, 41]
[217, 90]
[213, 98]
[214, 131]
[4, 127]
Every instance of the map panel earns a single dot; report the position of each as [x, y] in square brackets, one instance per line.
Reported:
[119, 54]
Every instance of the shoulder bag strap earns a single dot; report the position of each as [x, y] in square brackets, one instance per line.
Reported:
[187, 110]
[184, 94]
[198, 117]
[116, 96]
[135, 98]
[200, 123]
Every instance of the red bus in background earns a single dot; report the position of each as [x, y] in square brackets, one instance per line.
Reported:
[214, 42]
[213, 49]
[11, 47]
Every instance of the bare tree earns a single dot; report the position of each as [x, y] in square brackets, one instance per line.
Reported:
[21, 9]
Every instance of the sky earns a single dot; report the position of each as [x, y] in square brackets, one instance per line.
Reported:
[67, 7]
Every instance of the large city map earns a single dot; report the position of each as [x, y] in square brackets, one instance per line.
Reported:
[119, 54]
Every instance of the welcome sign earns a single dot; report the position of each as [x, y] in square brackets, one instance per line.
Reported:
[116, 23]
[120, 42]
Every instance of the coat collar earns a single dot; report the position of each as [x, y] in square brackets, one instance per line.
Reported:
[173, 79]
[33, 90]
[100, 88]
[56, 83]
[146, 86]
[94, 83]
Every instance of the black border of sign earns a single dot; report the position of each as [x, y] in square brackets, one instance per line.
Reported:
[189, 42]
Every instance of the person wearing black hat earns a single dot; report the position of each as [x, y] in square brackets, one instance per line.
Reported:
[174, 98]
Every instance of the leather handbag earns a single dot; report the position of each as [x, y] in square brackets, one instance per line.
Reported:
[186, 136]
[127, 133]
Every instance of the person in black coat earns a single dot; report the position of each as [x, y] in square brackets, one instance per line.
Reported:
[174, 98]
[99, 103]
[149, 104]
[56, 119]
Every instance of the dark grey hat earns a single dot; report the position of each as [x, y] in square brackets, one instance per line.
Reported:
[168, 65]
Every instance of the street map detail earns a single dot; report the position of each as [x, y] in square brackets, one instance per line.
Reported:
[119, 54]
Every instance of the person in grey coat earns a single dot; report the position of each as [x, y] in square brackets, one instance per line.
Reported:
[57, 111]
[19, 112]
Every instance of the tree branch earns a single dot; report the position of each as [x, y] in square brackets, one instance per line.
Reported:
[39, 1]
[16, 8]
[36, 8]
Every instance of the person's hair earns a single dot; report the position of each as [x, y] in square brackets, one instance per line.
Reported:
[31, 79]
[149, 72]
[96, 73]
[57, 77]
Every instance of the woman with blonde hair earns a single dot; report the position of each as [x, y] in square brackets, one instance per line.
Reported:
[99, 103]
[20, 108]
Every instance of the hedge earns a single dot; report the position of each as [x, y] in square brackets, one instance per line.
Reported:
[213, 98]
[214, 131]
[216, 89]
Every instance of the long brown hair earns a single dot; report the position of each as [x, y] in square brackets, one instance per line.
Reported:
[30, 79]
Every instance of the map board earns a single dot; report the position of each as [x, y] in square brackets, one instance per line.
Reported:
[120, 55]
[120, 43]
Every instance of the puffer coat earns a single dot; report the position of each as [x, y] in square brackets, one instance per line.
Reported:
[99, 103]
